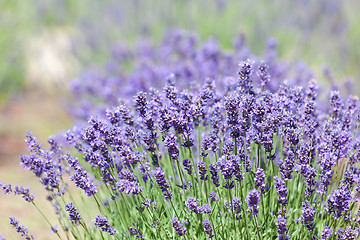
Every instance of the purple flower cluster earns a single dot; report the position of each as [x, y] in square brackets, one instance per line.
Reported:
[202, 170]
[81, 178]
[281, 190]
[214, 175]
[208, 228]
[46, 165]
[21, 229]
[214, 196]
[253, 200]
[281, 224]
[102, 223]
[128, 183]
[307, 217]
[260, 179]
[178, 226]
[18, 190]
[193, 204]
[326, 233]
[348, 233]
[236, 203]
[338, 202]
[164, 185]
[133, 231]
[74, 215]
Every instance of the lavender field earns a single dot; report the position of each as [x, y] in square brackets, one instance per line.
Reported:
[179, 120]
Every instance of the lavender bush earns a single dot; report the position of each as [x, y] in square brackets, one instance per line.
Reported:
[181, 56]
[243, 157]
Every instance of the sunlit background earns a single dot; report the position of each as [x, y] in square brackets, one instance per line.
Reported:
[45, 44]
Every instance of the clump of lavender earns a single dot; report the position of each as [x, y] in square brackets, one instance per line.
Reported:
[208, 155]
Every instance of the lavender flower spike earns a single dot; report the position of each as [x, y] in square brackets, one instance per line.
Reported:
[74, 214]
[208, 228]
[202, 170]
[21, 229]
[103, 223]
[281, 224]
[307, 217]
[193, 205]
[326, 233]
[253, 200]
[260, 179]
[178, 226]
[164, 185]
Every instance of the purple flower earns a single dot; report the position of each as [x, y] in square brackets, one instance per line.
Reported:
[208, 228]
[263, 74]
[164, 185]
[18, 190]
[245, 75]
[214, 175]
[202, 170]
[214, 197]
[103, 223]
[193, 205]
[226, 167]
[260, 179]
[307, 217]
[140, 103]
[171, 145]
[188, 166]
[253, 200]
[281, 190]
[281, 224]
[120, 113]
[236, 203]
[236, 166]
[32, 143]
[286, 166]
[178, 226]
[326, 233]
[74, 214]
[348, 234]
[339, 202]
[133, 231]
[21, 229]
[231, 107]
[128, 183]
[81, 180]
[206, 208]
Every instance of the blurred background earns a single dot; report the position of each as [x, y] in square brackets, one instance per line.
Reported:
[45, 44]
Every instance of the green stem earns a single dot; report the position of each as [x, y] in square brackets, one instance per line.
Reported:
[47, 220]
[257, 228]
